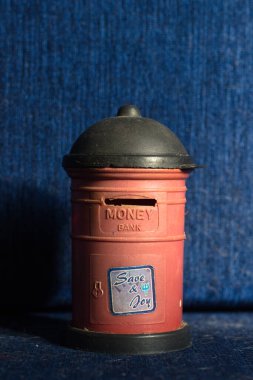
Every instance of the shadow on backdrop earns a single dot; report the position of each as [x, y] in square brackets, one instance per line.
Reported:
[31, 221]
[49, 326]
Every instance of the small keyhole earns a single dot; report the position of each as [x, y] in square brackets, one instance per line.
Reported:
[97, 289]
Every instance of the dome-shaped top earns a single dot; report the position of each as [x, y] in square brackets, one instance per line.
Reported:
[128, 141]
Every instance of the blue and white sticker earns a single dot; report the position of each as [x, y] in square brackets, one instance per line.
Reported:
[132, 290]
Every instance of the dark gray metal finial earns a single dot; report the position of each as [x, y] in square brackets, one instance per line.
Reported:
[129, 110]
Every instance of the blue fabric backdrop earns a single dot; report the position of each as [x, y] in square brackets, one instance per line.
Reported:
[65, 65]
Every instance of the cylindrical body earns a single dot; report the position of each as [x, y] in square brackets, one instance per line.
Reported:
[127, 243]
[128, 177]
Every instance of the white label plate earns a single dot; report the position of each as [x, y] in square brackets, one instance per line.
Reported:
[132, 290]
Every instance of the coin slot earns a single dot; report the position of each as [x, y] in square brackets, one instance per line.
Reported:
[131, 202]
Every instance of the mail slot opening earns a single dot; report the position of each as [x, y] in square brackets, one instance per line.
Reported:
[131, 202]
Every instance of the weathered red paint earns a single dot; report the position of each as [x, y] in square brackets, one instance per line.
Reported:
[106, 236]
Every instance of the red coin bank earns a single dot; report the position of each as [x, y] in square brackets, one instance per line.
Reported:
[128, 188]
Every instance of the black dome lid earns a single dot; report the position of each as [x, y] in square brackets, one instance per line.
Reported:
[128, 141]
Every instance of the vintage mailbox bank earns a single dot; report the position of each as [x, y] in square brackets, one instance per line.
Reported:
[128, 189]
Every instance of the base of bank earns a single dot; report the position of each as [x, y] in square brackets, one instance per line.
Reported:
[130, 344]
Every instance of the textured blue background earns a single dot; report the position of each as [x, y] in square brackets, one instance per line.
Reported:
[65, 65]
